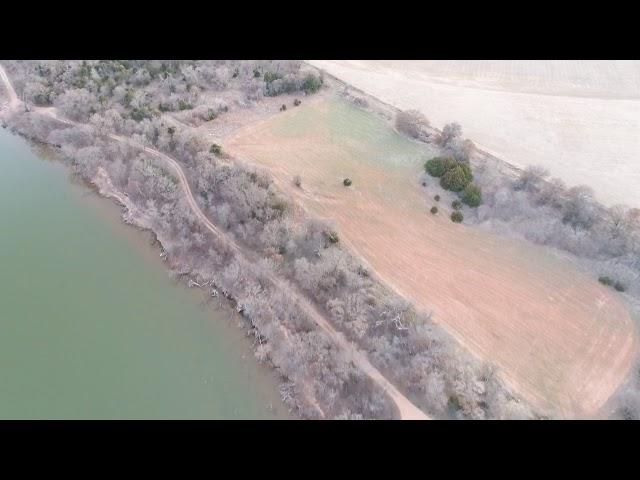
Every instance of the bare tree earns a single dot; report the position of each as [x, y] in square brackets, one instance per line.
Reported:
[412, 123]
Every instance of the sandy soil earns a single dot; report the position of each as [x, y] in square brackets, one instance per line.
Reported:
[581, 120]
[560, 339]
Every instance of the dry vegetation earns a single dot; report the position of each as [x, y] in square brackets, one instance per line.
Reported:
[567, 353]
[134, 99]
[543, 210]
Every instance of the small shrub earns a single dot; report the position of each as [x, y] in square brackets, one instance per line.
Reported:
[437, 198]
[139, 114]
[471, 195]
[457, 217]
[619, 287]
[456, 204]
[211, 115]
[256, 73]
[215, 149]
[424, 184]
[434, 210]
[347, 182]
[333, 237]
[297, 102]
[608, 281]
[184, 105]
[283, 107]
[270, 77]
[280, 206]
[297, 181]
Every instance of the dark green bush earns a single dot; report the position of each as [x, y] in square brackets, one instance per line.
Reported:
[215, 149]
[347, 182]
[128, 98]
[435, 167]
[270, 77]
[311, 83]
[608, 281]
[184, 105]
[457, 217]
[434, 210]
[471, 195]
[456, 178]
[619, 287]
[139, 114]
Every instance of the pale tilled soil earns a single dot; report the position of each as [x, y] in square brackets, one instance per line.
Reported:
[579, 119]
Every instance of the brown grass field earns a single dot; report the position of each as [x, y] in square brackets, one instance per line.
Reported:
[558, 337]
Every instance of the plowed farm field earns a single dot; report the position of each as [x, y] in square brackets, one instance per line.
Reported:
[558, 337]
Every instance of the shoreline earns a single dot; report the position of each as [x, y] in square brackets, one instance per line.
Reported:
[226, 326]
[405, 407]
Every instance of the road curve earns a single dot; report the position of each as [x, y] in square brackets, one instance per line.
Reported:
[407, 410]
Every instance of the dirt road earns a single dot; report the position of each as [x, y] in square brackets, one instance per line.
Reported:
[408, 411]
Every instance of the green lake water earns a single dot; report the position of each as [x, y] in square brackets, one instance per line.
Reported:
[91, 326]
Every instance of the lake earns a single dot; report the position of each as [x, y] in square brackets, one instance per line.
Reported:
[91, 325]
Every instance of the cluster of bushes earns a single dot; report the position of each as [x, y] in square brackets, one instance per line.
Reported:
[455, 176]
[277, 82]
